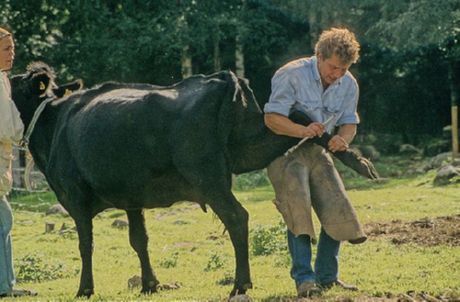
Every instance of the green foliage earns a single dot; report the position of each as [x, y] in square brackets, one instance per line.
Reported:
[32, 268]
[416, 24]
[267, 240]
[170, 261]
[402, 71]
[36, 202]
[215, 262]
[251, 180]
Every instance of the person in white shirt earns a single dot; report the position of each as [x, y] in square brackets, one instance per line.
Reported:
[11, 130]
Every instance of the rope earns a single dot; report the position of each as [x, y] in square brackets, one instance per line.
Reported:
[25, 140]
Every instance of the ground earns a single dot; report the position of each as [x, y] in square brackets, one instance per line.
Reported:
[412, 253]
[426, 231]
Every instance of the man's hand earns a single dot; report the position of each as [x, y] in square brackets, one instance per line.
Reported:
[337, 143]
[282, 125]
[313, 129]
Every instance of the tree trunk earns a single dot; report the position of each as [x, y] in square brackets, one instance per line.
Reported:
[186, 62]
[454, 79]
[239, 57]
[217, 65]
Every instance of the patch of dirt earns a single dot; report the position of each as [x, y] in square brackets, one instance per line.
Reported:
[426, 231]
[410, 296]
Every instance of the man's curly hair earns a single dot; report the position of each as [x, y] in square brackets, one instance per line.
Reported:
[340, 42]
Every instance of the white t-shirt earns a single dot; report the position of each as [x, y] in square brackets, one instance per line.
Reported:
[11, 126]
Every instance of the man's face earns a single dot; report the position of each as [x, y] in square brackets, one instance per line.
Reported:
[331, 69]
[6, 53]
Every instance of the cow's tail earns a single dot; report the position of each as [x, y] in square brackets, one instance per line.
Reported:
[227, 110]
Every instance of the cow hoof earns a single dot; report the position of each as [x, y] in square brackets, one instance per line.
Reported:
[240, 290]
[150, 287]
[88, 292]
[240, 298]
[149, 290]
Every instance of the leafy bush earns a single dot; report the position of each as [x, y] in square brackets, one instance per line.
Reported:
[32, 268]
[267, 240]
[35, 202]
[251, 180]
[435, 146]
[214, 263]
[170, 262]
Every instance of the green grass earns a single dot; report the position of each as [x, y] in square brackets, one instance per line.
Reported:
[189, 247]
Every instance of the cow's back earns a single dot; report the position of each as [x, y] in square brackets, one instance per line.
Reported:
[122, 139]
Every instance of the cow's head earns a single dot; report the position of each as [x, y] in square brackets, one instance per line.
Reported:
[28, 90]
[35, 86]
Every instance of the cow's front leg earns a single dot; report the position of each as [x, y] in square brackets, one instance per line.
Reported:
[235, 219]
[139, 240]
[84, 225]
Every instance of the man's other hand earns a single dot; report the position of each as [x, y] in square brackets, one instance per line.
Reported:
[337, 143]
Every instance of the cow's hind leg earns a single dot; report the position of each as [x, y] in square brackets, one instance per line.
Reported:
[138, 239]
[84, 224]
[235, 219]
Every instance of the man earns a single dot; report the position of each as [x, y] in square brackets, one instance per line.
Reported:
[11, 129]
[321, 87]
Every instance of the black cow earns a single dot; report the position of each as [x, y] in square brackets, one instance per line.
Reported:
[136, 146]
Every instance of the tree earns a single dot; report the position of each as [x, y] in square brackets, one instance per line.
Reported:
[413, 25]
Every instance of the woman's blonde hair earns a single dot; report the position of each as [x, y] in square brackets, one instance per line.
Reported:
[4, 33]
[340, 42]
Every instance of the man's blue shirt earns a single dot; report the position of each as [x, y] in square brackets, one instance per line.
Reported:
[297, 86]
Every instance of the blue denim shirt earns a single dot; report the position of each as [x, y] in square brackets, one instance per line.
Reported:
[297, 86]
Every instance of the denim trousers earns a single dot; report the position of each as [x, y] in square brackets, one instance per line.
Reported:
[7, 278]
[326, 263]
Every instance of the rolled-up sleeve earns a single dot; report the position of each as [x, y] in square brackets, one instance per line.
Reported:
[350, 105]
[282, 97]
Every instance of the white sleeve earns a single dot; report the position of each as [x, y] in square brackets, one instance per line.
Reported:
[11, 126]
[282, 97]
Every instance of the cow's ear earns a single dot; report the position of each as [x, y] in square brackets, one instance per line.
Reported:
[67, 89]
[40, 83]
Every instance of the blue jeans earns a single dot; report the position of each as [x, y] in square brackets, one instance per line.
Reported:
[7, 279]
[327, 258]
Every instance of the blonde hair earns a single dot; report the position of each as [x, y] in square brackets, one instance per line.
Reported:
[340, 42]
[4, 33]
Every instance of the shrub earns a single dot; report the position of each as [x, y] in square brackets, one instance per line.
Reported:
[214, 263]
[170, 262]
[267, 240]
[32, 268]
[251, 180]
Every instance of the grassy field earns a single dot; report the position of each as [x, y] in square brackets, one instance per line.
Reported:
[188, 248]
